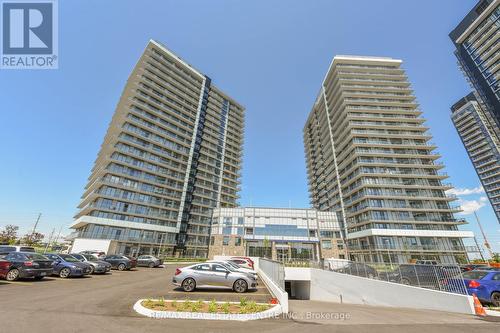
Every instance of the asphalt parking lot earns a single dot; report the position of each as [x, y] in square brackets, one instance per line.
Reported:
[104, 304]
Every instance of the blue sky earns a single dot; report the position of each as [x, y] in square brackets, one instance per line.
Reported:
[269, 55]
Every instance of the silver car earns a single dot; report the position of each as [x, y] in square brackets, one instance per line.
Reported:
[235, 267]
[96, 266]
[209, 274]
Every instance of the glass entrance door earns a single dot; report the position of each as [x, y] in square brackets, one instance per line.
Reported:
[282, 254]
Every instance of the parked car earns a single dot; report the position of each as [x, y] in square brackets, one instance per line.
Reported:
[97, 253]
[148, 261]
[426, 262]
[470, 267]
[420, 275]
[66, 265]
[207, 275]
[6, 249]
[358, 269]
[484, 283]
[235, 266]
[97, 266]
[243, 261]
[4, 268]
[27, 264]
[120, 262]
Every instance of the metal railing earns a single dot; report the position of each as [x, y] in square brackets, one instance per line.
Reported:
[442, 277]
[274, 271]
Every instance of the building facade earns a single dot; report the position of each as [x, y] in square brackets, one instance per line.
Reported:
[369, 158]
[476, 39]
[481, 141]
[171, 154]
[278, 233]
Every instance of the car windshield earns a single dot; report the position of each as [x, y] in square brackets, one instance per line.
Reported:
[232, 264]
[68, 258]
[90, 257]
[474, 275]
[78, 256]
[228, 267]
[35, 256]
[26, 249]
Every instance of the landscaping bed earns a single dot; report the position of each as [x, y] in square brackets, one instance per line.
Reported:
[206, 310]
[199, 306]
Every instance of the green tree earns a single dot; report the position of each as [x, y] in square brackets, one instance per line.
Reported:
[496, 257]
[33, 239]
[9, 234]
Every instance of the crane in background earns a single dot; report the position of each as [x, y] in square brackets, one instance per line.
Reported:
[486, 243]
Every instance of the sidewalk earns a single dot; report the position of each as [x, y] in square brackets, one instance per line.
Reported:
[351, 314]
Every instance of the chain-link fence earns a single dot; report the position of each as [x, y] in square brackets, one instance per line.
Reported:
[439, 277]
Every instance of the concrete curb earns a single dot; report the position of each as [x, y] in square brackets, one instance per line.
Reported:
[493, 313]
[275, 311]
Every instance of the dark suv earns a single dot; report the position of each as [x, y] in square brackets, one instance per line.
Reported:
[28, 264]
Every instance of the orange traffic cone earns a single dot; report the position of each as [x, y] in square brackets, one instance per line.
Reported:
[478, 308]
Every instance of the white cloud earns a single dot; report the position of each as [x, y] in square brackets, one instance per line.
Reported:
[471, 206]
[466, 191]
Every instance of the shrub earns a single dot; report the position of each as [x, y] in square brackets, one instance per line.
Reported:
[243, 301]
[225, 307]
[212, 306]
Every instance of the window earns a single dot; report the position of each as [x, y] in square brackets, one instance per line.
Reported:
[237, 241]
[204, 267]
[340, 246]
[219, 268]
[248, 231]
[326, 244]
[312, 233]
[326, 233]
[225, 240]
[496, 277]
[226, 230]
[474, 275]
[241, 220]
[341, 256]
[337, 234]
[212, 240]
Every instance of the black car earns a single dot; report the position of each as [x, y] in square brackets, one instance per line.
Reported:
[148, 261]
[120, 262]
[420, 275]
[28, 264]
[358, 269]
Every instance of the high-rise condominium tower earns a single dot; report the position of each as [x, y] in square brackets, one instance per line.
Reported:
[171, 154]
[476, 39]
[369, 158]
[482, 144]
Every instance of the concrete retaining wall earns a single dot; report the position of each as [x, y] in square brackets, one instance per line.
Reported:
[343, 288]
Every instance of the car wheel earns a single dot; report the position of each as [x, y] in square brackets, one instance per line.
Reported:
[64, 273]
[92, 269]
[240, 286]
[405, 281]
[495, 298]
[121, 267]
[38, 278]
[12, 275]
[189, 284]
[151, 265]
